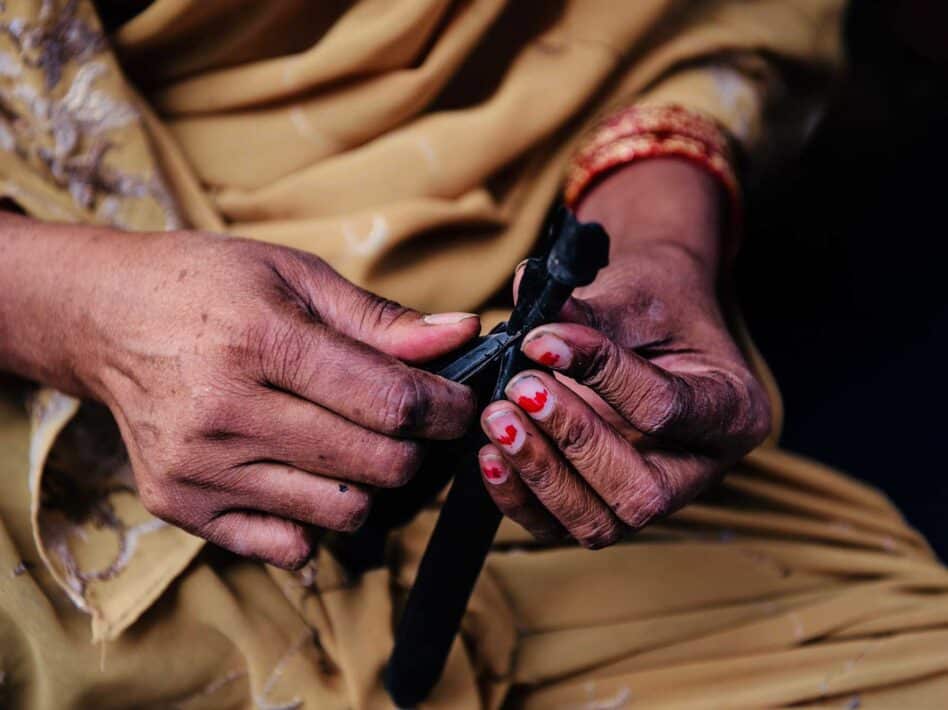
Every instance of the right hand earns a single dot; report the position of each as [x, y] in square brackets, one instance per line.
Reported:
[257, 391]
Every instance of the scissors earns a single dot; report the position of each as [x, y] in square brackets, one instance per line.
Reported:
[468, 521]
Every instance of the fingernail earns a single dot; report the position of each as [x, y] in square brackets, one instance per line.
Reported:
[447, 318]
[506, 431]
[531, 396]
[547, 349]
[494, 468]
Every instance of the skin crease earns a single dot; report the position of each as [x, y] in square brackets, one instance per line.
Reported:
[652, 400]
[228, 365]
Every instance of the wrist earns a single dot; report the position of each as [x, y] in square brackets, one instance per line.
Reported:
[659, 202]
[49, 276]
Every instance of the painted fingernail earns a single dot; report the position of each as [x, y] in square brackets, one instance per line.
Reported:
[447, 318]
[504, 428]
[547, 349]
[531, 396]
[494, 468]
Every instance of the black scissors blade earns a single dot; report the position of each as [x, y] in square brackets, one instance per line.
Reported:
[477, 358]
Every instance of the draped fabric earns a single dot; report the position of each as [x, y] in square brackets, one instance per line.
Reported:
[416, 145]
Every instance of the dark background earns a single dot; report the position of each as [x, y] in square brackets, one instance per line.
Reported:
[843, 274]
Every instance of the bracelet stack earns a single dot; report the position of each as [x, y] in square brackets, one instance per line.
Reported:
[638, 132]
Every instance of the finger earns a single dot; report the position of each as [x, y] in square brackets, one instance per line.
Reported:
[392, 328]
[561, 491]
[704, 407]
[518, 276]
[263, 537]
[634, 487]
[290, 430]
[513, 498]
[290, 493]
[407, 334]
[364, 385]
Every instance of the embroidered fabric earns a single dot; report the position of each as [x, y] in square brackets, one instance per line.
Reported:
[57, 115]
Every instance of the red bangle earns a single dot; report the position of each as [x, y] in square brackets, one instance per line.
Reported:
[639, 132]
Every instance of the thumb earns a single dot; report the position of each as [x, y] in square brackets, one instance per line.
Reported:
[402, 332]
[382, 324]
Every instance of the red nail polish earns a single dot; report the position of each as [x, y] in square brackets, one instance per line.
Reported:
[505, 429]
[535, 403]
[549, 350]
[494, 468]
[510, 433]
[493, 472]
[549, 359]
[532, 396]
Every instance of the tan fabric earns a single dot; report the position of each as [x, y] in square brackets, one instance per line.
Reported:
[416, 145]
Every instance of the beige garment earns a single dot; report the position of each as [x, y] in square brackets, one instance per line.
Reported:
[416, 145]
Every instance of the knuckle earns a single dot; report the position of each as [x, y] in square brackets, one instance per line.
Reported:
[356, 512]
[600, 371]
[404, 406]
[157, 501]
[295, 554]
[218, 420]
[281, 348]
[247, 345]
[645, 505]
[209, 478]
[759, 426]
[578, 437]
[739, 412]
[291, 272]
[658, 407]
[370, 312]
[382, 312]
[545, 483]
[402, 460]
[755, 419]
[465, 408]
[598, 533]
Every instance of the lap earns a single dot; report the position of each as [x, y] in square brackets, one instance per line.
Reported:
[792, 584]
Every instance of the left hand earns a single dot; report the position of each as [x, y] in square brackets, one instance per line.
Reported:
[652, 399]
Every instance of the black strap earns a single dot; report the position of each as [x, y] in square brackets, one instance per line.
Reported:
[465, 530]
[449, 569]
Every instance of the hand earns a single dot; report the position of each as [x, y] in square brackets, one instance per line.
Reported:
[258, 392]
[652, 399]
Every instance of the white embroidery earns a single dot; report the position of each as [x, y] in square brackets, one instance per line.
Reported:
[370, 243]
[428, 151]
[305, 127]
[620, 700]
[95, 108]
[262, 700]
[132, 536]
